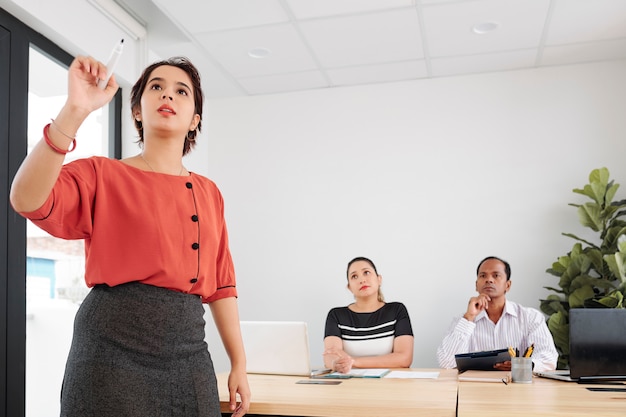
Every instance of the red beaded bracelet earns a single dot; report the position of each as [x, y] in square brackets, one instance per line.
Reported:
[52, 145]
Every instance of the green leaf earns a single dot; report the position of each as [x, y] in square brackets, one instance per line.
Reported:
[612, 237]
[596, 189]
[578, 264]
[559, 327]
[617, 264]
[604, 302]
[607, 212]
[600, 175]
[610, 193]
[593, 282]
[553, 304]
[594, 255]
[592, 192]
[620, 297]
[560, 265]
[578, 239]
[589, 215]
[577, 297]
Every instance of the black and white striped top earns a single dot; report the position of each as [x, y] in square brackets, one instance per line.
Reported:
[369, 334]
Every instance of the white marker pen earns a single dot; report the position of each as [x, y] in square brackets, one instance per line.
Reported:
[115, 55]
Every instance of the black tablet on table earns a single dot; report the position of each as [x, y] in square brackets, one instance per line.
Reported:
[481, 361]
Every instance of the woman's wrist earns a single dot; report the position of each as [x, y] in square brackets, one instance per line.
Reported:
[70, 118]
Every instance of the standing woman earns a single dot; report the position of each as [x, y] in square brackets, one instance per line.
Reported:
[156, 249]
[368, 333]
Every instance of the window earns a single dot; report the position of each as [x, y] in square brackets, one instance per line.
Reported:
[54, 267]
[40, 276]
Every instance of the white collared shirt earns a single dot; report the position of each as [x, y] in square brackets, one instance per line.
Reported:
[518, 327]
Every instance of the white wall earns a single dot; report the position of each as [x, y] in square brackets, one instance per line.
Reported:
[426, 178]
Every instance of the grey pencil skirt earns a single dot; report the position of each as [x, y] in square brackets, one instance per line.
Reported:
[139, 351]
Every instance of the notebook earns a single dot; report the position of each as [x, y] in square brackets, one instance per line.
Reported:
[485, 376]
[276, 347]
[597, 346]
[481, 361]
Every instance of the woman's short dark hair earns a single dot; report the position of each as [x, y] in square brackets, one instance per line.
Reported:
[198, 97]
[507, 267]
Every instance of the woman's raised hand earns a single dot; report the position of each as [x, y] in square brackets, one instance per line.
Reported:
[83, 92]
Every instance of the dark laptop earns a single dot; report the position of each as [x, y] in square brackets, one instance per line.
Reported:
[597, 346]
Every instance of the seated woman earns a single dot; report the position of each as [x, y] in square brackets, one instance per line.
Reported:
[368, 333]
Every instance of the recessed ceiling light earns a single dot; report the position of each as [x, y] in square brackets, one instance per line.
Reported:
[259, 52]
[485, 27]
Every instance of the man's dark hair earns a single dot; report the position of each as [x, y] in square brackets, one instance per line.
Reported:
[507, 267]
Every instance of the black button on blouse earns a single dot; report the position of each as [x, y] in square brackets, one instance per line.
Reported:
[194, 218]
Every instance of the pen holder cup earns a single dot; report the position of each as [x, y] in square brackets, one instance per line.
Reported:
[522, 370]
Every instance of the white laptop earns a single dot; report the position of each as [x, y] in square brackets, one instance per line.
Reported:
[276, 347]
[559, 374]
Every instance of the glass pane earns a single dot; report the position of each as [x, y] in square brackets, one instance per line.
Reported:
[55, 267]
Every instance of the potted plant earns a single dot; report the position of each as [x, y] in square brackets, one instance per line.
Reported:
[593, 273]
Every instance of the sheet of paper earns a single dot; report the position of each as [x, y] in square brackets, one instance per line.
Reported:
[355, 373]
[412, 375]
[368, 373]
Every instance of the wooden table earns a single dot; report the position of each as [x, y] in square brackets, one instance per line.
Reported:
[544, 397]
[358, 397]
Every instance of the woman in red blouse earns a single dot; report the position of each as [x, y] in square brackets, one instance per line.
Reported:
[156, 248]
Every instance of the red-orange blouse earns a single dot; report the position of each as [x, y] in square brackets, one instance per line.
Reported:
[159, 229]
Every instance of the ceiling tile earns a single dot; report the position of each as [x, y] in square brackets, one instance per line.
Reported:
[365, 39]
[585, 20]
[449, 26]
[284, 82]
[584, 52]
[212, 15]
[470, 64]
[380, 73]
[328, 43]
[287, 52]
[306, 9]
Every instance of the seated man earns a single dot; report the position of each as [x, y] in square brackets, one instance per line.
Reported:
[491, 322]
